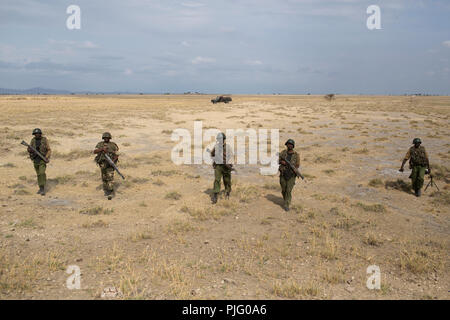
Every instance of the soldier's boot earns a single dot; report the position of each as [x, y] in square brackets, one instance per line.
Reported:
[419, 193]
[286, 208]
[110, 194]
[227, 195]
[214, 198]
[416, 192]
[41, 191]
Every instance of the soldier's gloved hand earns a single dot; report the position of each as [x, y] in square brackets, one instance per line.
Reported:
[283, 162]
[401, 169]
[115, 159]
[428, 171]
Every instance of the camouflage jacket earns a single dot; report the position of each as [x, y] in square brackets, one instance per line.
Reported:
[44, 149]
[227, 155]
[417, 157]
[112, 151]
[285, 169]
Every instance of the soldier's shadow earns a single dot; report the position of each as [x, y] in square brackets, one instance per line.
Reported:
[51, 184]
[116, 186]
[400, 185]
[275, 199]
[210, 192]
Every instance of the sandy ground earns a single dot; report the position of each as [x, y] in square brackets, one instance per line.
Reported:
[161, 238]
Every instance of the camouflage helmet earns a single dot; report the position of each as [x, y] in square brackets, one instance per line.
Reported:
[221, 135]
[290, 141]
[37, 131]
[106, 135]
[417, 141]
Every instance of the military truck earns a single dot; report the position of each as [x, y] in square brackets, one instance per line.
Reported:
[221, 99]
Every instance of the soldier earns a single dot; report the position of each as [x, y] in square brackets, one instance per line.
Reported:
[287, 175]
[111, 148]
[222, 166]
[40, 143]
[418, 161]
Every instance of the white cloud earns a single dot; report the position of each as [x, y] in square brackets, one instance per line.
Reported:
[185, 44]
[446, 43]
[199, 60]
[227, 29]
[254, 62]
[191, 4]
[88, 45]
[128, 72]
[170, 73]
[78, 44]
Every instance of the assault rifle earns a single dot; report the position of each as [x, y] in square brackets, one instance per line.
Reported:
[297, 173]
[229, 166]
[112, 164]
[431, 183]
[35, 151]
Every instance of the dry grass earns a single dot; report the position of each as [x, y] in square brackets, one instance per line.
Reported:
[372, 207]
[291, 289]
[182, 246]
[95, 224]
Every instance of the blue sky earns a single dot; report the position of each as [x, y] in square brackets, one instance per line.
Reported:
[227, 46]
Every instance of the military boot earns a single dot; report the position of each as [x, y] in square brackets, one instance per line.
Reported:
[418, 193]
[214, 198]
[41, 191]
[227, 195]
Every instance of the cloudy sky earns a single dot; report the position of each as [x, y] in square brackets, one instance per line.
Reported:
[227, 46]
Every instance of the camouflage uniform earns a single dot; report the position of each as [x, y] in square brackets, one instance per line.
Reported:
[222, 170]
[106, 170]
[418, 162]
[287, 175]
[43, 147]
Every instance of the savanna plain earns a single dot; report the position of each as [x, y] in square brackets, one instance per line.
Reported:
[161, 238]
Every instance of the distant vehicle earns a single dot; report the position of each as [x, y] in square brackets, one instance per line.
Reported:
[221, 99]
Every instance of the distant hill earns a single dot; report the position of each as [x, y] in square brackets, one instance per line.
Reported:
[33, 91]
[38, 90]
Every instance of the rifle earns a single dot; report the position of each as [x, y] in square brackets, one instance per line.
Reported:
[431, 183]
[35, 151]
[112, 164]
[229, 166]
[297, 173]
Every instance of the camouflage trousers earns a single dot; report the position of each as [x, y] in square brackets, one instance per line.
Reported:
[222, 172]
[417, 177]
[40, 172]
[286, 189]
[107, 176]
